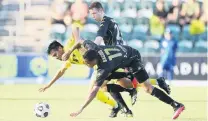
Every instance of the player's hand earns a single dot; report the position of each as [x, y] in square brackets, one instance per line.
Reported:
[76, 113]
[44, 89]
[65, 56]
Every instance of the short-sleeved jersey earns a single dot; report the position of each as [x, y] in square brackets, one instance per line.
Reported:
[110, 32]
[111, 58]
[76, 57]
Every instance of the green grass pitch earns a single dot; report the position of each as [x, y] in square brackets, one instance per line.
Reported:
[17, 103]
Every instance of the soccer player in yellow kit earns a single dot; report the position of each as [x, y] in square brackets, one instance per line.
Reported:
[76, 58]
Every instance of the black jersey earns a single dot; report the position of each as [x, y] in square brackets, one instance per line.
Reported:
[111, 58]
[110, 32]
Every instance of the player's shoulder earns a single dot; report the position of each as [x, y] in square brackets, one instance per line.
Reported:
[108, 19]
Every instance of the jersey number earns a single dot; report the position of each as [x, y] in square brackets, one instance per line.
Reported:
[111, 56]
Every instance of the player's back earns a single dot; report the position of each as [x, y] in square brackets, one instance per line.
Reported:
[76, 56]
[115, 57]
[110, 32]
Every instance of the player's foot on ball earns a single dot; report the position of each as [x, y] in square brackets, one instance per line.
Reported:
[162, 84]
[129, 113]
[115, 111]
[133, 95]
[178, 110]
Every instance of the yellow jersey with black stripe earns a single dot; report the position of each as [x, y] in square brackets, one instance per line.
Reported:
[75, 57]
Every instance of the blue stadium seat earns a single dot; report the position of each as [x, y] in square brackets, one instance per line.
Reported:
[175, 29]
[4, 32]
[10, 7]
[91, 28]
[9, 22]
[185, 46]
[185, 33]
[88, 35]
[105, 6]
[126, 35]
[91, 21]
[137, 44]
[141, 21]
[203, 36]
[151, 46]
[147, 4]
[140, 32]
[130, 9]
[123, 20]
[201, 47]
[89, 31]
[155, 37]
[114, 11]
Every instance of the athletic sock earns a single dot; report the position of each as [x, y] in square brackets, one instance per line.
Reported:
[117, 96]
[103, 97]
[163, 97]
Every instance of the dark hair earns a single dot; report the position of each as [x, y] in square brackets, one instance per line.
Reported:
[54, 46]
[90, 55]
[96, 5]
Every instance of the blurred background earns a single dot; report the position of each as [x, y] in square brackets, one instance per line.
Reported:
[170, 34]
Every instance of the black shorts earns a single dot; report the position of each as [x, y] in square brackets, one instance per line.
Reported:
[137, 69]
[119, 75]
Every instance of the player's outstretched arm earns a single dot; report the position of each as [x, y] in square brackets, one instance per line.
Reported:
[90, 97]
[59, 74]
[76, 33]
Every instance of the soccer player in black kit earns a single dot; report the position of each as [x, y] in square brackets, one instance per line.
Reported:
[109, 34]
[110, 58]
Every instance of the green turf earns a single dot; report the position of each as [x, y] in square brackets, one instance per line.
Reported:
[17, 102]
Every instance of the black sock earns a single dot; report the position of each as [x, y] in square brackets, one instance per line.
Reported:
[117, 88]
[117, 96]
[163, 97]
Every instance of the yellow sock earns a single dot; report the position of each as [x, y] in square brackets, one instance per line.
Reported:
[153, 81]
[101, 96]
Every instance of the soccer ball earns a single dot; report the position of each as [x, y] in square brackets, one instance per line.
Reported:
[42, 110]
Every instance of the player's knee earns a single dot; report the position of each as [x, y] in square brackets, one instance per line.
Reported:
[148, 87]
[147, 90]
[125, 82]
[141, 76]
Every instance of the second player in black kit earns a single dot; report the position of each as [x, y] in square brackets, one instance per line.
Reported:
[110, 58]
[113, 58]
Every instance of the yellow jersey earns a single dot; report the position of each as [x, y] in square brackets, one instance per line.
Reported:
[76, 57]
